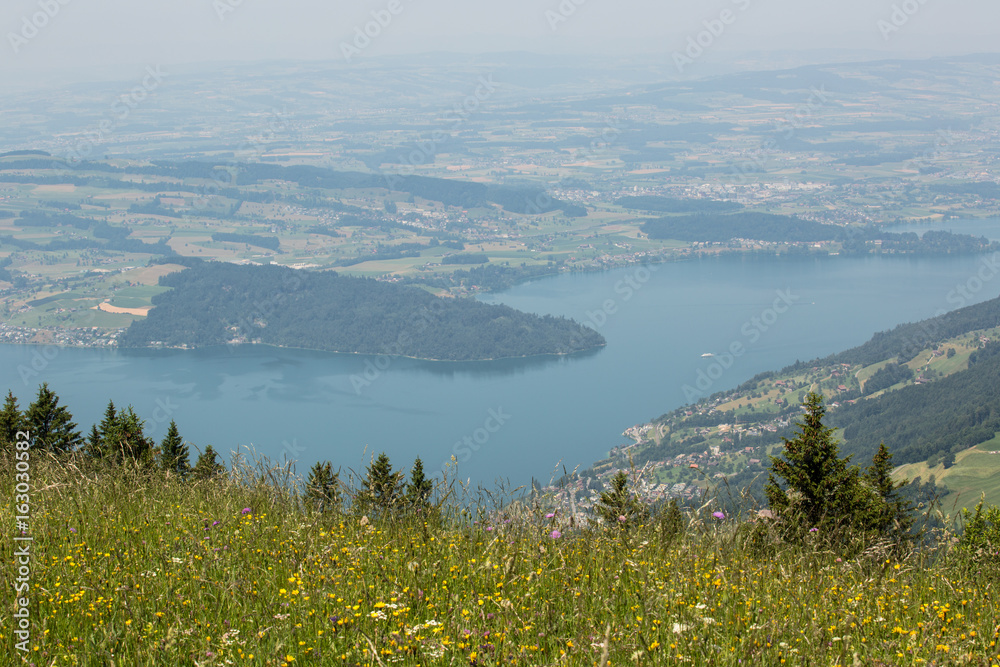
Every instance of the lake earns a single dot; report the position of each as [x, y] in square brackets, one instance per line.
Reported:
[524, 418]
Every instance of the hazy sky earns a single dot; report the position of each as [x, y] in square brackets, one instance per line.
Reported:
[68, 34]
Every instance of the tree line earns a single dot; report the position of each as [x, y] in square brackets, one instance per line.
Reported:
[120, 439]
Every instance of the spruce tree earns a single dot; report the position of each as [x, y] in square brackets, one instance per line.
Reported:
[100, 448]
[11, 421]
[126, 439]
[323, 487]
[419, 488]
[820, 490]
[382, 488]
[619, 506]
[207, 466]
[94, 445]
[51, 425]
[174, 453]
[892, 514]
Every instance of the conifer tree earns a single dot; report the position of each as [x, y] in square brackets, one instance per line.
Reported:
[11, 421]
[207, 466]
[382, 488]
[893, 513]
[94, 445]
[51, 425]
[619, 506]
[821, 490]
[671, 521]
[323, 487]
[126, 439]
[419, 488]
[174, 453]
[100, 448]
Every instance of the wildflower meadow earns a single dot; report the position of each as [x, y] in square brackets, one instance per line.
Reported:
[142, 568]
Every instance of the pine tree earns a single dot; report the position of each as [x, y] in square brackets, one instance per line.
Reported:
[382, 488]
[620, 507]
[823, 491]
[419, 488]
[51, 425]
[323, 487]
[207, 466]
[11, 421]
[174, 453]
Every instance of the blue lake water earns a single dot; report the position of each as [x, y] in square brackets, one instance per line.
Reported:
[514, 419]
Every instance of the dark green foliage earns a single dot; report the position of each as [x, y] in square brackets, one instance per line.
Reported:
[11, 421]
[323, 487]
[919, 421]
[671, 522]
[893, 514]
[154, 207]
[980, 540]
[888, 375]
[269, 242]
[619, 506]
[419, 488]
[174, 453]
[931, 243]
[51, 425]
[125, 439]
[119, 437]
[207, 466]
[97, 445]
[106, 236]
[981, 189]
[452, 192]
[93, 446]
[750, 225]
[818, 488]
[216, 303]
[906, 340]
[382, 489]
[820, 491]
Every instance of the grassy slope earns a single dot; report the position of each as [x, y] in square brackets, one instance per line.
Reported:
[976, 472]
[143, 570]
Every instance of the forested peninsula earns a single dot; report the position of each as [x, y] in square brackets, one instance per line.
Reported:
[213, 303]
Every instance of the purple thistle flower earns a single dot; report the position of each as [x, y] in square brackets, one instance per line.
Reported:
[550, 515]
[719, 515]
[555, 534]
[247, 510]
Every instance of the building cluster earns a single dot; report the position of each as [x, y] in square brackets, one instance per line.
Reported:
[63, 337]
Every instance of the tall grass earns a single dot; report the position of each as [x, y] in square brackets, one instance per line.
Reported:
[135, 568]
